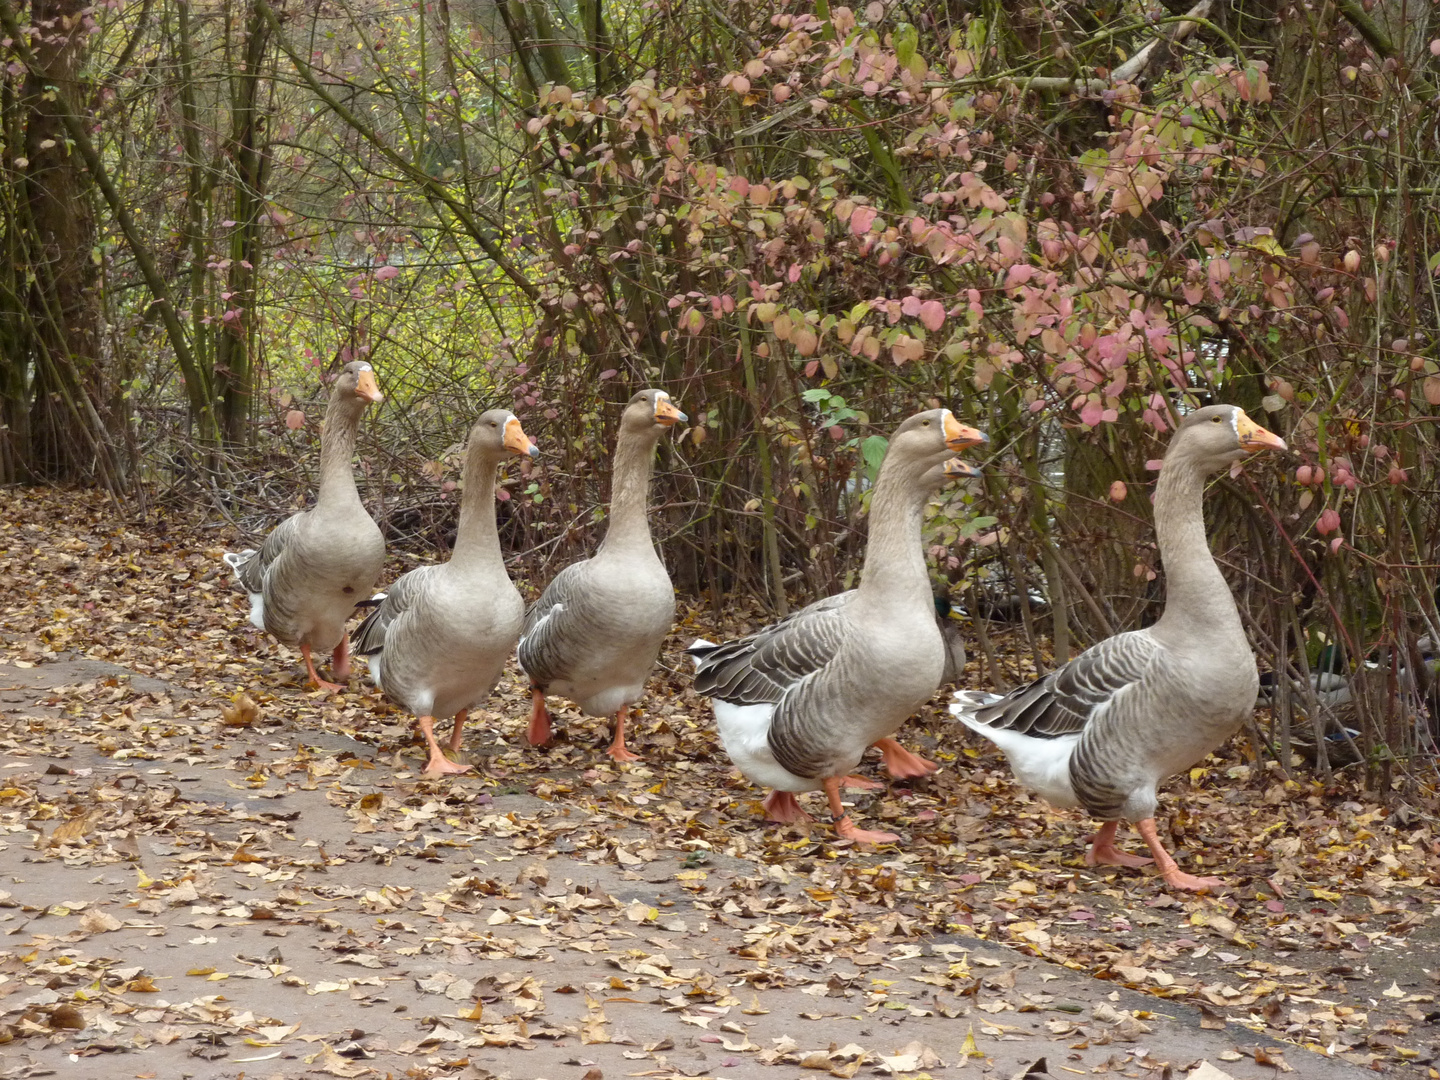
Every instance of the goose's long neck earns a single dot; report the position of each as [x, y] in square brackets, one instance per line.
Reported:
[629, 528]
[894, 574]
[477, 542]
[337, 446]
[1195, 591]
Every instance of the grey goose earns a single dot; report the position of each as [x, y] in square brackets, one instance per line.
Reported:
[596, 631]
[307, 576]
[798, 703]
[440, 637]
[1102, 731]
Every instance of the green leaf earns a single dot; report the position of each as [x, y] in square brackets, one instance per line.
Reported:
[872, 449]
[905, 39]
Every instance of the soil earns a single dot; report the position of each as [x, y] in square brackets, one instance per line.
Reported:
[208, 871]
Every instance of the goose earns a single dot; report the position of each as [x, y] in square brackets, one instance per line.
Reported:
[441, 634]
[798, 702]
[304, 581]
[1102, 731]
[596, 630]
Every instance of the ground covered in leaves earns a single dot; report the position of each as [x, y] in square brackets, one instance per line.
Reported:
[213, 872]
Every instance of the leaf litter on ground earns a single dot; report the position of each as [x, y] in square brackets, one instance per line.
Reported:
[166, 764]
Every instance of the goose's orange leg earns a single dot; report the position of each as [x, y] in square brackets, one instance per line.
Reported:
[439, 764]
[1103, 851]
[617, 747]
[901, 763]
[539, 733]
[843, 825]
[340, 661]
[1169, 870]
[782, 806]
[315, 679]
[455, 732]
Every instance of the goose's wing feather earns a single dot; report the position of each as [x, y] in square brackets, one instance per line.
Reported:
[251, 566]
[762, 667]
[551, 623]
[1064, 701]
[402, 596]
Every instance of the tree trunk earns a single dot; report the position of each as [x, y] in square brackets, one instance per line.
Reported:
[75, 416]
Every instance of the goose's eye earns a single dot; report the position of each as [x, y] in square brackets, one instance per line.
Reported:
[926, 423]
[1215, 419]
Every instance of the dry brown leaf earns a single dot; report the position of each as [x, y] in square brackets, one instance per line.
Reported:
[244, 712]
[96, 921]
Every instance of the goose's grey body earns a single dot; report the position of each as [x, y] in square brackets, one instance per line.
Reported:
[441, 635]
[309, 573]
[596, 631]
[799, 702]
[1103, 731]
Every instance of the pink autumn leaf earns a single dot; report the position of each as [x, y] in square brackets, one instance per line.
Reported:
[910, 306]
[1336, 544]
[385, 273]
[1118, 491]
[1090, 413]
[294, 419]
[1327, 522]
[1018, 274]
[932, 315]
[1153, 465]
[861, 219]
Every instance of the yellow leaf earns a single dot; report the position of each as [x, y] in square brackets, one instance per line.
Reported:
[969, 1047]
[201, 971]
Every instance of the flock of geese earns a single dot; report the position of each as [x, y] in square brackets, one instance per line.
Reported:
[799, 702]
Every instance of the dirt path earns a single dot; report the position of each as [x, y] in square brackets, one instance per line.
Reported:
[192, 890]
[229, 906]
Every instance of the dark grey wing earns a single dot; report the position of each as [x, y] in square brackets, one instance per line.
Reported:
[548, 635]
[369, 637]
[762, 667]
[1064, 701]
[251, 570]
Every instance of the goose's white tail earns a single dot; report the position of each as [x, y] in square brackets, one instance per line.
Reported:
[698, 649]
[1042, 765]
[235, 560]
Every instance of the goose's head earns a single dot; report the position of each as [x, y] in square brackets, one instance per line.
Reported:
[357, 382]
[1218, 435]
[652, 411]
[930, 437]
[947, 471]
[500, 433]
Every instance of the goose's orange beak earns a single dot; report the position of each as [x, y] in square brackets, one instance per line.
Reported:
[1254, 438]
[959, 436]
[367, 388]
[517, 442]
[666, 413]
[956, 469]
